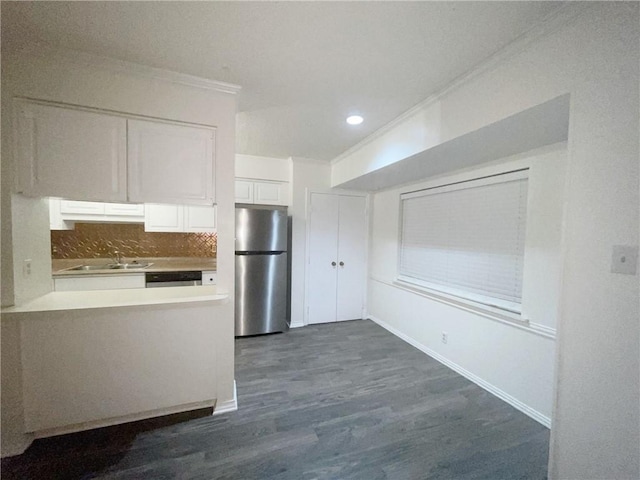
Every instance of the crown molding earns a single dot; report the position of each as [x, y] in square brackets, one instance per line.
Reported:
[550, 24]
[76, 57]
[312, 161]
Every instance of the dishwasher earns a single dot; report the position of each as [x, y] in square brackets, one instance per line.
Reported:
[172, 279]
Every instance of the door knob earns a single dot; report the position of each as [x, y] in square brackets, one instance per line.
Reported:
[333, 264]
[342, 264]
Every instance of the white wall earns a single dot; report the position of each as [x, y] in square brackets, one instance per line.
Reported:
[514, 361]
[305, 175]
[595, 58]
[265, 168]
[83, 80]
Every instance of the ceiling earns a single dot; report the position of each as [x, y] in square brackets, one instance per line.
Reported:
[303, 66]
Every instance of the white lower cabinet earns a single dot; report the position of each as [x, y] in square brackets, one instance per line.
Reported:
[209, 277]
[87, 368]
[179, 218]
[337, 257]
[98, 282]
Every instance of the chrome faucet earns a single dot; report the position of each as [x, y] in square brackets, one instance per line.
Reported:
[117, 257]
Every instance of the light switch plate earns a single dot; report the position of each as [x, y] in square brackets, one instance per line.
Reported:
[624, 259]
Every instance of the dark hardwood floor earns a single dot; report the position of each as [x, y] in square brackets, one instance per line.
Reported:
[335, 401]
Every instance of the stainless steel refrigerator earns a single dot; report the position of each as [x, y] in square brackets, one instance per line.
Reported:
[261, 270]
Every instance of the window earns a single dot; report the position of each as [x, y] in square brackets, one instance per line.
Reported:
[467, 239]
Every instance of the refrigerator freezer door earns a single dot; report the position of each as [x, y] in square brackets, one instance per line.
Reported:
[261, 294]
[261, 230]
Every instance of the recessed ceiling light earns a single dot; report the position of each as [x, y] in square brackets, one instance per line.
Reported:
[355, 120]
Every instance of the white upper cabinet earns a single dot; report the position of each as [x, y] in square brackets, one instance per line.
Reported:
[269, 193]
[70, 153]
[262, 192]
[124, 209]
[170, 163]
[81, 208]
[179, 218]
[244, 191]
[199, 219]
[87, 155]
[163, 218]
[77, 211]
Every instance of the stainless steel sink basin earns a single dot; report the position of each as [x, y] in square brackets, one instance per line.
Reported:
[128, 266]
[113, 266]
[91, 267]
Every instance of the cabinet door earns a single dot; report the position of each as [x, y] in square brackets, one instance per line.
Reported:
[269, 193]
[323, 252]
[56, 222]
[199, 219]
[352, 258]
[163, 218]
[170, 163]
[81, 208]
[124, 209]
[244, 191]
[102, 282]
[70, 153]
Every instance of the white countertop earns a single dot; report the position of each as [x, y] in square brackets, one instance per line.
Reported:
[120, 298]
[62, 267]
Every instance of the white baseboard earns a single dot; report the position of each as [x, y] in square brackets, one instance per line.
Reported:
[229, 405]
[16, 448]
[514, 402]
[296, 325]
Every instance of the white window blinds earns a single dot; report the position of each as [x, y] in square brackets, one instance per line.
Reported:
[467, 239]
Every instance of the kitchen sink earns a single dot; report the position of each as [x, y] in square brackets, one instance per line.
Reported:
[113, 266]
[128, 266]
[91, 267]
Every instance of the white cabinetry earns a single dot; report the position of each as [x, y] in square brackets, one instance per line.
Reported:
[244, 191]
[63, 213]
[179, 218]
[88, 155]
[262, 192]
[70, 153]
[98, 282]
[172, 163]
[81, 208]
[93, 367]
[209, 277]
[124, 209]
[336, 258]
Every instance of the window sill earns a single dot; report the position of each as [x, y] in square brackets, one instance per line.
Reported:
[496, 314]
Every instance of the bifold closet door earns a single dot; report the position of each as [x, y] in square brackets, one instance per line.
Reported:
[352, 258]
[337, 257]
[323, 248]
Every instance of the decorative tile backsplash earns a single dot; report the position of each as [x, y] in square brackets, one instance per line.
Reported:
[99, 240]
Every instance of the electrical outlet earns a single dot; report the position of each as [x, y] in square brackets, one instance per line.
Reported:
[26, 267]
[445, 337]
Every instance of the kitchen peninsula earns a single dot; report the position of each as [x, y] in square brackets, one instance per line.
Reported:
[95, 130]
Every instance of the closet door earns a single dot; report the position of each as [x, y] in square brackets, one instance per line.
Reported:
[323, 251]
[352, 258]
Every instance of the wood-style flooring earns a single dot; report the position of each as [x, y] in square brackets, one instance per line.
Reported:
[334, 401]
